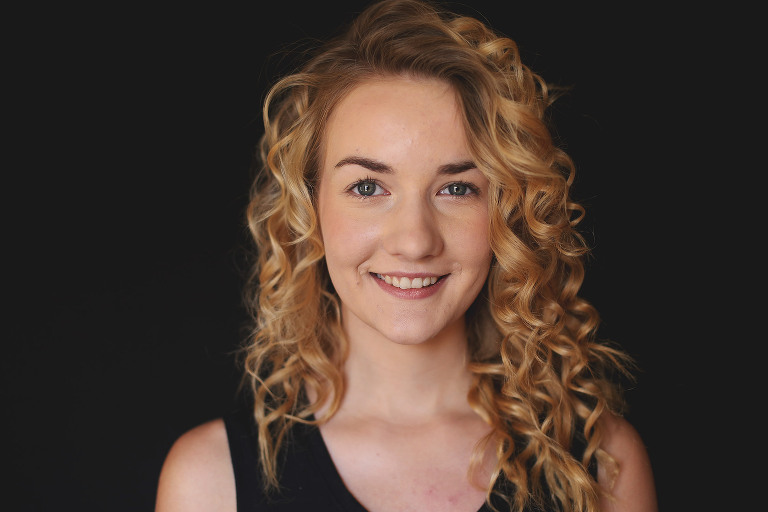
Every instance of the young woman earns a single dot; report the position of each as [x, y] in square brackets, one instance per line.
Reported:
[419, 343]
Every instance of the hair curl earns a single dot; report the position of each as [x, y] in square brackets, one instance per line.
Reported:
[540, 375]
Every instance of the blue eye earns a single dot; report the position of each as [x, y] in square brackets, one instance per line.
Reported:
[366, 188]
[459, 189]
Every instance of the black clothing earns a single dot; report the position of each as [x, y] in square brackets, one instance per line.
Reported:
[308, 477]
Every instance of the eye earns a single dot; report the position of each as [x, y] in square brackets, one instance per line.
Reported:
[366, 188]
[459, 189]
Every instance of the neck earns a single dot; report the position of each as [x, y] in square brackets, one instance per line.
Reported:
[406, 382]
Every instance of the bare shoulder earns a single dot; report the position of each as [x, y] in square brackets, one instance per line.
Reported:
[632, 489]
[197, 474]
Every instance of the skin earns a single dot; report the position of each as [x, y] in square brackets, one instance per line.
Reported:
[387, 205]
[401, 137]
[406, 370]
[197, 474]
[634, 489]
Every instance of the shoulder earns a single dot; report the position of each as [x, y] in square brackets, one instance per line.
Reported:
[631, 489]
[197, 473]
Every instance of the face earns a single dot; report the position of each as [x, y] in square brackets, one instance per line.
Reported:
[403, 212]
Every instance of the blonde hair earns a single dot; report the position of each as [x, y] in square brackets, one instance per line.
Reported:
[539, 373]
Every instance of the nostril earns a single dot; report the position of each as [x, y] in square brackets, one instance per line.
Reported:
[415, 235]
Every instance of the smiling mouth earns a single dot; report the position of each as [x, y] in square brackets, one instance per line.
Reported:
[405, 283]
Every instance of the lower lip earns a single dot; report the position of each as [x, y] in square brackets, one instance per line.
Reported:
[411, 293]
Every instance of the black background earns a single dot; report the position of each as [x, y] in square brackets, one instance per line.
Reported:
[135, 131]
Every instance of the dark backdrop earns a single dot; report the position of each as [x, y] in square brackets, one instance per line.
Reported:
[135, 139]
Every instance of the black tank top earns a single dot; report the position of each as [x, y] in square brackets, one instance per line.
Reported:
[308, 478]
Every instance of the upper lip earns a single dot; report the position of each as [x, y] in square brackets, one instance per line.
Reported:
[409, 275]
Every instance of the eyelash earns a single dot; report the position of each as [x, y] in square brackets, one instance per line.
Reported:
[352, 189]
[471, 189]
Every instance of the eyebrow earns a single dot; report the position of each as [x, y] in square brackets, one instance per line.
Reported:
[368, 163]
[456, 168]
[381, 167]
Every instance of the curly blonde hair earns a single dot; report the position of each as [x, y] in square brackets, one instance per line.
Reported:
[540, 376]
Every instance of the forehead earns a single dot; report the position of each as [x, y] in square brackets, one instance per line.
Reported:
[383, 87]
[383, 113]
[378, 96]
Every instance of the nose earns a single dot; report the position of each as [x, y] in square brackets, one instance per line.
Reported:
[412, 230]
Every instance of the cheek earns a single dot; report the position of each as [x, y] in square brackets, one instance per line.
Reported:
[348, 240]
[477, 259]
[478, 245]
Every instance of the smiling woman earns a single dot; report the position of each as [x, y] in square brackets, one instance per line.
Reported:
[394, 157]
[419, 341]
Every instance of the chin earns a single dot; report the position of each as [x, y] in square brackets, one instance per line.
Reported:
[409, 338]
[414, 332]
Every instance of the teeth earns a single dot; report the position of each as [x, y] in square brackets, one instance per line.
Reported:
[405, 283]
